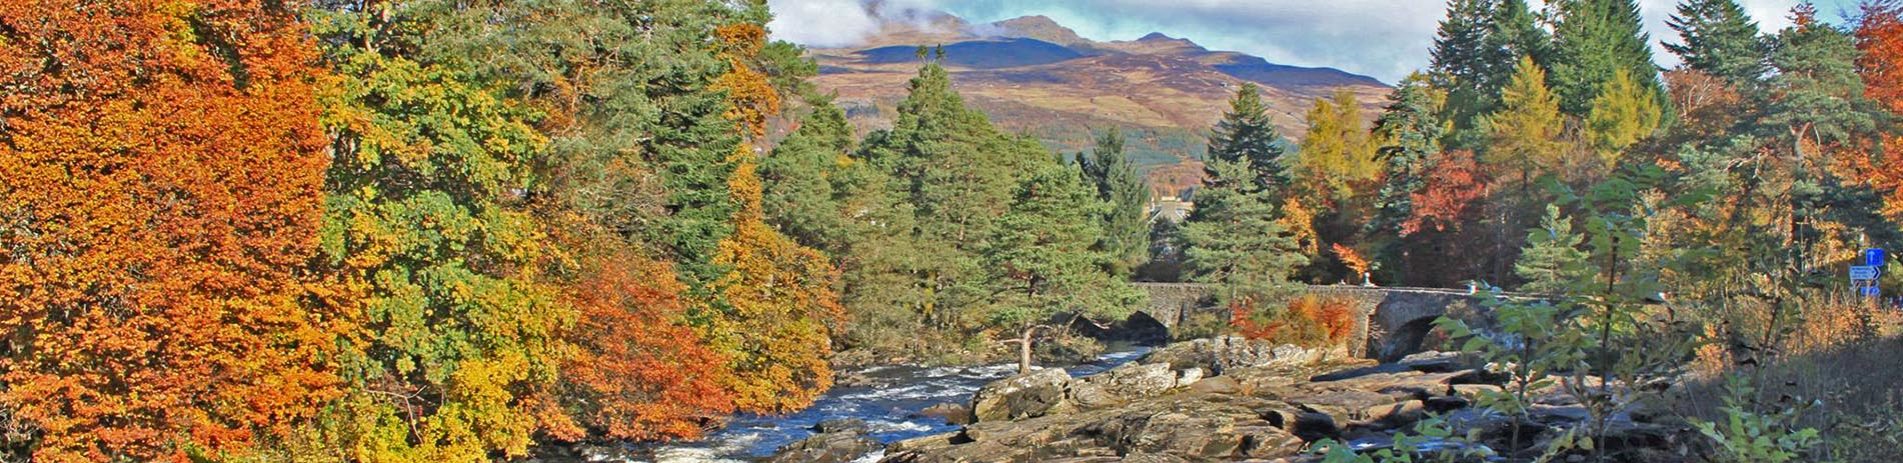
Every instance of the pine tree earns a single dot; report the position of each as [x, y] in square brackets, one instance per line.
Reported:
[1526, 131]
[1552, 262]
[1594, 40]
[1120, 186]
[1246, 135]
[806, 179]
[1234, 242]
[1718, 38]
[1513, 31]
[1621, 115]
[1409, 131]
[1042, 260]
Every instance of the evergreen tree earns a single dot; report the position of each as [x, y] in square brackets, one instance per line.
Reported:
[1815, 106]
[1718, 38]
[1621, 115]
[1526, 131]
[1513, 31]
[1042, 260]
[1234, 242]
[1409, 131]
[1552, 262]
[1463, 49]
[1120, 186]
[806, 179]
[1594, 39]
[1246, 135]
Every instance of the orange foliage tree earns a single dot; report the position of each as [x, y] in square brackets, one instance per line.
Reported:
[1880, 37]
[637, 372]
[162, 164]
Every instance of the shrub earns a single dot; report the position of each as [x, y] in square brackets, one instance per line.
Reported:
[1309, 320]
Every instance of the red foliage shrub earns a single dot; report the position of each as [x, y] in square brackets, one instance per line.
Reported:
[1307, 321]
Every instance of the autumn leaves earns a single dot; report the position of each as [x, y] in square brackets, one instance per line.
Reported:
[233, 231]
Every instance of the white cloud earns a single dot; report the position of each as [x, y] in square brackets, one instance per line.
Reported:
[822, 23]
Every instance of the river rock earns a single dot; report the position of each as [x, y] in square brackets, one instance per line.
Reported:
[950, 412]
[1221, 354]
[1027, 395]
[832, 447]
[841, 425]
[1124, 383]
[1183, 426]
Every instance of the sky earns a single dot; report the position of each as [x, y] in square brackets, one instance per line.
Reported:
[1385, 39]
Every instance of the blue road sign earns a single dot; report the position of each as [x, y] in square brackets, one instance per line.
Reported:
[1863, 272]
[1873, 257]
[1871, 291]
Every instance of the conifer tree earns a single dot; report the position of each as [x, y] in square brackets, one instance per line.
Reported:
[1513, 31]
[1526, 131]
[1043, 261]
[1233, 240]
[1621, 115]
[1119, 185]
[1336, 156]
[1552, 262]
[1246, 135]
[1594, 39]
[1718, 38]
[1461, 61]
[1409, 131]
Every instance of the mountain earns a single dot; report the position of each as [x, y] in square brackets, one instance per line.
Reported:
[1035, 76]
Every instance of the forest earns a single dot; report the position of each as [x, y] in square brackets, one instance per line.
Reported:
[435, 230]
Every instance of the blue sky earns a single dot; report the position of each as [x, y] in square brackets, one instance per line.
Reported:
[1382, 38]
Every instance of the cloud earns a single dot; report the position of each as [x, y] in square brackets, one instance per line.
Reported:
[1386, 39]
[821, 23]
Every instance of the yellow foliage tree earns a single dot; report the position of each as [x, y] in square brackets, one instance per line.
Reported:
[780, 307]
[1622, 114]
[1526, 130]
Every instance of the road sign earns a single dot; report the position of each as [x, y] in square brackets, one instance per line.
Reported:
[1873, 257]
[1871, 291]
[1863, 272]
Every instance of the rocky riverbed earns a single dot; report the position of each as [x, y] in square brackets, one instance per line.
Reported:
[1222, 399]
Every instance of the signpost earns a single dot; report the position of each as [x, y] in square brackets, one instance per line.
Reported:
[1863, 278]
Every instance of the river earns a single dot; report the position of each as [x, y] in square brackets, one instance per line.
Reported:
[889, 404]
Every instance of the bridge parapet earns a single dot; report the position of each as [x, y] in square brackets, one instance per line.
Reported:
[1390, 322]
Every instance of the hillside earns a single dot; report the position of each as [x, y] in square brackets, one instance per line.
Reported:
[1036, 76]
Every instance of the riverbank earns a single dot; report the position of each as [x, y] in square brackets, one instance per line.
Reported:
[889, 400]
[1228, 399]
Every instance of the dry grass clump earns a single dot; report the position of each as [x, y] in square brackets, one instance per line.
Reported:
[1839, 353]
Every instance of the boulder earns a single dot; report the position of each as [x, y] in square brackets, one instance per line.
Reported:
[1126, 382]
[1032, 394]
[834, 447]
[1216, 385]
[1188, 376]
[841, 425]
[950, 412]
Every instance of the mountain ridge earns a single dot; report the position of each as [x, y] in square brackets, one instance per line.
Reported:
[1034, 75]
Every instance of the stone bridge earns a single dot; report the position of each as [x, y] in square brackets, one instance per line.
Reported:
[1392, 321]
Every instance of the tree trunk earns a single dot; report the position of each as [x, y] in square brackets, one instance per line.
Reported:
[1024, 350]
